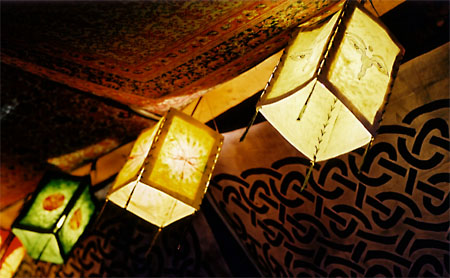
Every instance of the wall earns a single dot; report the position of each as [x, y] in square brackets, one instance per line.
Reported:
[392, 219]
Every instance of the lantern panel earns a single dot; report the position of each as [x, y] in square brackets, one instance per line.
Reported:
[150, 204]
[301, 60]
[52, 252]
[347, 134]
[182, 158]
[130, 171]
[323, 129]
[157, 207]
[76, 221]
[361, 68]
[50, 203]
[121, 196]
[41, 246]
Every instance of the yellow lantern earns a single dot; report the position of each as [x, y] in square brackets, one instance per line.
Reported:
[328, 93]
[168, 170]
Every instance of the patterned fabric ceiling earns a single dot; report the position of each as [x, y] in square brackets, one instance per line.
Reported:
[151, 54]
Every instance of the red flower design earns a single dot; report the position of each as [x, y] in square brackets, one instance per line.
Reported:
[53, 201]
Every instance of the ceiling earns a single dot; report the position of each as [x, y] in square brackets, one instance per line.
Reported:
[149, 54]
[71, 70]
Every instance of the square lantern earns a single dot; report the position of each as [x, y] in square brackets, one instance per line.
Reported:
[56, 216]
[168, 170]
[11, 253]
[329, 91]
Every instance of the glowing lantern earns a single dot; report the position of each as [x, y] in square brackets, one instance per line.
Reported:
[11, 253]
[329, 91]
[56, 216]
[168, 170]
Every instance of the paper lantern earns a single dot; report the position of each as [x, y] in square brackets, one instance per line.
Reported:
[11, 253]
[168, 170]
[328, 94]
[56, 216]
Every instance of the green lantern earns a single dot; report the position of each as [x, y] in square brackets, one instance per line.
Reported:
[56, 216]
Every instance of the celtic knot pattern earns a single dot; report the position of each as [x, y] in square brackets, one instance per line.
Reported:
[390, 219]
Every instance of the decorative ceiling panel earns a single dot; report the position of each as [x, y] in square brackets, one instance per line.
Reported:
[151, 54]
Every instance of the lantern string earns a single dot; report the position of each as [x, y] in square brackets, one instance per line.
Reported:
[101, 211]
[260, 98]
[185, 230]
[211, 115]
[153, 242]
[302, 111]
[159, 230]
[365, 154]
[249, 125]
[196, 105]
[308, 174]
[134, 187]
[371, 3]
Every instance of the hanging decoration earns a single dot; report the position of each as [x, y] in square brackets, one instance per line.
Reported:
[168, 170]
[331, 86]
[55, 217]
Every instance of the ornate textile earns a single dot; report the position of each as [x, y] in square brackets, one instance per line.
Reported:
[150, 54]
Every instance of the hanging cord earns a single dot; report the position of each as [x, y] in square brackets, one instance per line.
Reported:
[216, 128]
[308, 174]
[260, 97]
[196, 105]
[155, 237]
[371, 3]
[302, 111]
[185, 230]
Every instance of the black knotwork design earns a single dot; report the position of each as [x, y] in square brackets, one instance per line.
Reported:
[391, 219]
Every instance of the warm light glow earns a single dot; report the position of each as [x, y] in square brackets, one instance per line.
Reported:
[327, 95]
[362, 68]
[168, 170]
[181, 160]
[300, 64]
[55, 218]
